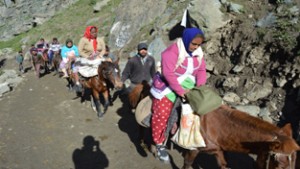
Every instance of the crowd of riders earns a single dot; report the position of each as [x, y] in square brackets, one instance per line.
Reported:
[180, 62]
[42, 53]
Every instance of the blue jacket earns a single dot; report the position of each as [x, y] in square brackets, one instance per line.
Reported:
[66, 49]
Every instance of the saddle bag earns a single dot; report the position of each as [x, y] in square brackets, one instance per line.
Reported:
[143, 112]
[203, 99]
[188, 134]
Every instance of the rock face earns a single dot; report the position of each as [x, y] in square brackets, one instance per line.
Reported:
[9, 79]
[20, 16]
[252, 48]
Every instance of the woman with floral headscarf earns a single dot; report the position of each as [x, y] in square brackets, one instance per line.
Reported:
[90, 46]
[183, 65]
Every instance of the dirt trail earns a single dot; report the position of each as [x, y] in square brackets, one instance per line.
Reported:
[42, 125]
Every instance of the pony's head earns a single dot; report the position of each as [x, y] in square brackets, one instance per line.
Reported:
[283, 150]
[110, 72]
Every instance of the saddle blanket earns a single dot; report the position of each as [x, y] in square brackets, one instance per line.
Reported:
[87, 62]
[88, 68]
[88, 71]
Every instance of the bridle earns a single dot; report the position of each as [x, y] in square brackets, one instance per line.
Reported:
[276, 157]
[113, 70]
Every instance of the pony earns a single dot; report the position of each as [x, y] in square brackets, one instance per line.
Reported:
[237, 131]
[108, 77]
[45, 63]
[228, 129]
[56, 62]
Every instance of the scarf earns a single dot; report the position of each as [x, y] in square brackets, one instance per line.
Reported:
[67, 41]
[183, 53]
[88, 35]
[188, 35]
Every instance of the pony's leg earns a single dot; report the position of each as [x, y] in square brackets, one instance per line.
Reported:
[97, 103]
[189, 158]
[106, 100]
[221, 159]
[141, 137]
[82, 99]
[261, 160]
[110, 99]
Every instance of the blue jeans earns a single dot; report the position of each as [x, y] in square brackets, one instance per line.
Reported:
[50, 56]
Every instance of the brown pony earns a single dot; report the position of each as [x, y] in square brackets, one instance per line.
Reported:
[236, 131]
[56, 62]
[45, 63]
[108, 77]
[227, 129]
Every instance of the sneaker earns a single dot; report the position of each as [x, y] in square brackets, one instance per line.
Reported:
[162, 154]
[78, 88]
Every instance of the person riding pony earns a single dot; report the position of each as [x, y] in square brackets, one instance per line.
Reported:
[69, 54]
[97, 71]
[90, 46]
[182, 63]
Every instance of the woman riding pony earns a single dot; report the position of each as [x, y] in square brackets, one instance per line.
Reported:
[90, 46]
[182, 63]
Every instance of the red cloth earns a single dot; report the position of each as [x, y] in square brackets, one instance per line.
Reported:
[161, 111]
[88, 35]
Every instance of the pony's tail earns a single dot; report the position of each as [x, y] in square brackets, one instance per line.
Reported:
[135, 94]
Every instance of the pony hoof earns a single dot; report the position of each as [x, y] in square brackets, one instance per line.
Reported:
[100, 115]
[105, 109]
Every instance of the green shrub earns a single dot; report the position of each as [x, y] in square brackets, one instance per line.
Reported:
[92, 2]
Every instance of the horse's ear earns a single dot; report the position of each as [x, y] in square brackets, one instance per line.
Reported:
[275, 145]
[287, 129]
[117, 61]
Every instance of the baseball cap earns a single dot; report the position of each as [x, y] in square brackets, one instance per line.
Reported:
[142, 46]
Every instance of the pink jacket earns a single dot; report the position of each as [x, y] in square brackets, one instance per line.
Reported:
[169, 61]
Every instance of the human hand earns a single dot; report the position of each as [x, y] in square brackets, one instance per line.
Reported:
[97, 143]
[185, 92]
[108, 59]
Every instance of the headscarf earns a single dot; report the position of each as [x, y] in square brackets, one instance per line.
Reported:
[67, 41]
[188, 35]
[87, 34]
[33, 49]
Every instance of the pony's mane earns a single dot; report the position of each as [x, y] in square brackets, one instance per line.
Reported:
[139, 92]
[134, 95]
[250, 122]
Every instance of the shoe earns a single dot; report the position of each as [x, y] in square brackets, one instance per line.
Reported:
[65, 76]
[162, 154]
[78, 88]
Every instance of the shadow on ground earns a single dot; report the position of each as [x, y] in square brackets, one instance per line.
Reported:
[128, 124]
[89, 156]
